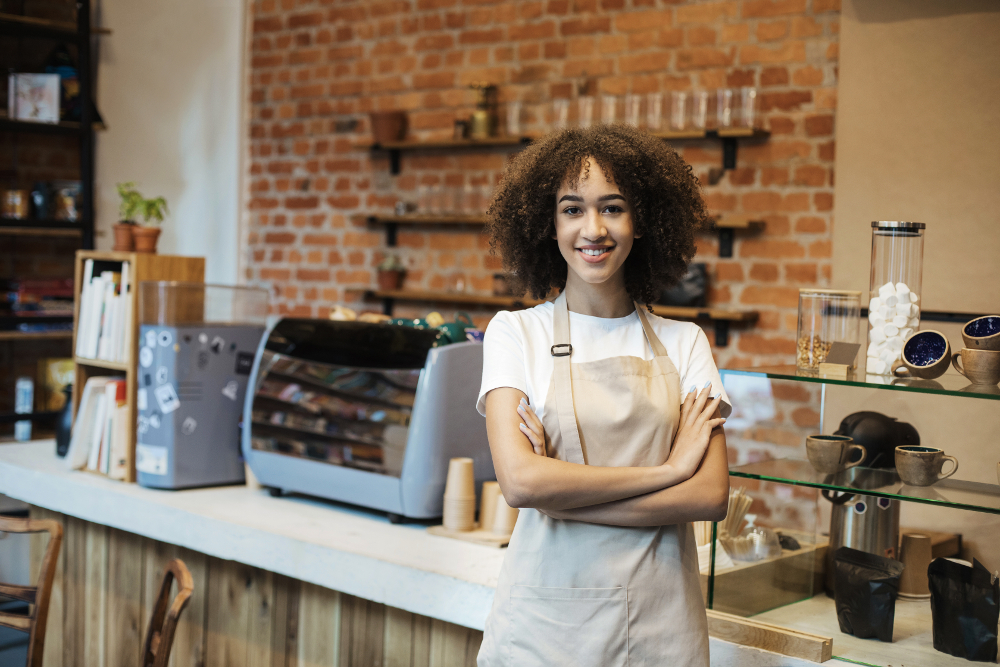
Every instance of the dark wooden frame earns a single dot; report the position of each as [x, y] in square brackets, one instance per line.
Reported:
[37, 596]
[163, 623]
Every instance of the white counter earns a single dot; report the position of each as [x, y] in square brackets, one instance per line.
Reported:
[327, 544]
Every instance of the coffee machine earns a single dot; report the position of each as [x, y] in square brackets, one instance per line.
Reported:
[868, 523]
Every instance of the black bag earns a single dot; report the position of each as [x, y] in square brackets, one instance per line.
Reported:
[690, 291]
[865, 592]
[965, 608]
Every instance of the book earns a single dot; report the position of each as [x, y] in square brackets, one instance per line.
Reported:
[97, 430]
[83, 319]
[83, 426]
[118, 457]
[33, 97]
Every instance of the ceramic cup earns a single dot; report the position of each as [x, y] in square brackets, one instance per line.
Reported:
[922, 466]
[982, 333]
[980, 366]
[926, 355]
[488, 504]
[833, 453]
[915, 553]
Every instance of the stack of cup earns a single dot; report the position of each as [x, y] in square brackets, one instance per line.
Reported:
[504, 517]
[495, 515]
[460, 496]
[980, 358]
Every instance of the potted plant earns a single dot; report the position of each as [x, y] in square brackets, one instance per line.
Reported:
[390, 273]
[128, 209]
[146, 234]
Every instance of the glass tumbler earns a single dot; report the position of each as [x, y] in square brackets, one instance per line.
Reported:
[894, 291]
[825, 317]
[748, 107]
[513, 119]
[609, 108]
[699, 109]
[632, 106]
[724, 107]
[585, 116]
[560, 114]
[678, 110]
[654, 111]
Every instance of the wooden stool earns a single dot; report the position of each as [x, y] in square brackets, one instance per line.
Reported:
[37, 596]
[163, 623]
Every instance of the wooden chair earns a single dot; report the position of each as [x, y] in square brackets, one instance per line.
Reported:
[163, 623]
[37, 596]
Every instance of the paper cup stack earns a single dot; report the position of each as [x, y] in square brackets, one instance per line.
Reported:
[460, 496]
[894, 315]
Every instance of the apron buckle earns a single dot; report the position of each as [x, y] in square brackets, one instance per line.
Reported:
[569, 350]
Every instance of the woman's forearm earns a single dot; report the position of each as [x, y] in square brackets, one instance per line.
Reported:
[703, 497]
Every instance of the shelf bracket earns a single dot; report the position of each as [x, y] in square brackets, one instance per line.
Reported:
[721, 333]
[390, 234]
[387, 306]
[394, 157]
[729, 145]
[726, 238]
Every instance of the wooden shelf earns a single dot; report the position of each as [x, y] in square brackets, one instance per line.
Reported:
[720, 316]
[62, 127]
[427, 219]
[726, 227]
[451, 144]
[101, 363]
[36, 335]
[11, 417]
[29, 26]
[28, 228]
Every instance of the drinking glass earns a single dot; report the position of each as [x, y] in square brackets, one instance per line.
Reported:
[632, 104]
[724, 107]
[748, 107]
[678, 110]
[586, 111]
[560, 114]
[654, 111]
[609, 105]
[513, 119]
[699, 109]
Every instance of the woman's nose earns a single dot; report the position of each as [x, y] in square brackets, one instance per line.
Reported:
[593, 226]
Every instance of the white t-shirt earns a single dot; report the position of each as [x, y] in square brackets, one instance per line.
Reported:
[516, 351]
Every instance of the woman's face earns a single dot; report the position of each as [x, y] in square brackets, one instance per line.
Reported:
[593, 226]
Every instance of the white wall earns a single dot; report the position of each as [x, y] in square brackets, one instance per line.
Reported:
[170, 87]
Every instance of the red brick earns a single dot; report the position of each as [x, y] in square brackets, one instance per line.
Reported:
[492, 36]
[806, 26]
[311, 201]
[760, 8]
[279, 238]
[585, 26]
[739, 32]
[768, 32]
[820, 6]
[821, 249]
[308, 20]
[810, 175]
[741, 77]
[786, 101]
[433, 80]
[792, 51]
[644, 20]
[706, 12]
[819, 126]
[827, 151]
[771, 248]
[703, 57]
[800, 273]
[805, 417]
[808, 76]
[275, 274]
[320, 239]
[742, 176]
[542, 30]
[790, 391]
[823, 201]
[764, 272]
[810, 225]
[728, 271]
[434, 42]
[313, 274]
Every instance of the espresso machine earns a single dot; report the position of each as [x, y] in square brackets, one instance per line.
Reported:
[868, 523]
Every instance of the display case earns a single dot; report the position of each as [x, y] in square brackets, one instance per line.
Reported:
[774, 410]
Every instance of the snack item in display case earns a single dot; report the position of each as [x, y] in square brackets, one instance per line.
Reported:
[894, 315]
[826, 317]
[894, 287]
[965, 609]
[866, 593]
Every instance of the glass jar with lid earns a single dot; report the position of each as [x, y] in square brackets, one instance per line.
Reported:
[894, 291]
[826, 316]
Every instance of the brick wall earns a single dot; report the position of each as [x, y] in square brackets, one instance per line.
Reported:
[319, 67]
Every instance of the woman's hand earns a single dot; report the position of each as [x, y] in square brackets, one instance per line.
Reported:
[694, 430]
[531, 426]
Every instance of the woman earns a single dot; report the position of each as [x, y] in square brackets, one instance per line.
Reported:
[590, 431]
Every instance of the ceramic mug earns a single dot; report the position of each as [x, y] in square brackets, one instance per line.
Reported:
[922, 466]
[926, 355]
[832, 453]
[980, 366]
[982, 333]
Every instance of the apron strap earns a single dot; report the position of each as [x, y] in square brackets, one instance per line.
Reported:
[654, 341]
[569, 430]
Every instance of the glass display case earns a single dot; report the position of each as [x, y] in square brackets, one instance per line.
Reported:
[775, 409]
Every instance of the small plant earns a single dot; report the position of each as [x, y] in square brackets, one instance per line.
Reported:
[133, 205]
[391, 263]
[131, 202]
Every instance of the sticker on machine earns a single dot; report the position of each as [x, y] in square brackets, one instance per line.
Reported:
[141, 400]
[231, 390]
[146, 357]
[189, 425]
[150, 459]
[166, 398]
[150, 338]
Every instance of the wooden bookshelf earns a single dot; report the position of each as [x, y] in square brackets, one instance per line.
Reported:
[142, 267]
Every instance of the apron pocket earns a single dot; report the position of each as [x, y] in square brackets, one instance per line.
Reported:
[584, 627]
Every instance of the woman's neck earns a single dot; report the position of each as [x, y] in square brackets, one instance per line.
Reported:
[608, 299]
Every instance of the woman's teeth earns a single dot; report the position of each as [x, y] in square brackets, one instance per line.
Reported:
[596, 252]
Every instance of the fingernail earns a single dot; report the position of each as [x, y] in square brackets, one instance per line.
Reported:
[693, 389]
[523, 402]
[707, 385]
[521, 426]
[717, 395]
[520, 408]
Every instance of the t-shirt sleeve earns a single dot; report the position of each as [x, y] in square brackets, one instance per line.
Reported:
[503, 358]
[700, 368]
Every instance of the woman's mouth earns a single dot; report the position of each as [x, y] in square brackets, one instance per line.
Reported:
[594, 255]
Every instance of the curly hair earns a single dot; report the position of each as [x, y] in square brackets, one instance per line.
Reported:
[663, 194]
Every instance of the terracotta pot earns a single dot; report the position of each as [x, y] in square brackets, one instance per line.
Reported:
[388, 126]
[123, 237]
[390, 280]
[145, 238]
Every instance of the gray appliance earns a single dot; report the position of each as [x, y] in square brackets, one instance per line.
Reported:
[196, 349]
[364, 413]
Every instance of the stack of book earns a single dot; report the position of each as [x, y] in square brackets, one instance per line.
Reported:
[100, 432]
[37, 300]
[105, 312]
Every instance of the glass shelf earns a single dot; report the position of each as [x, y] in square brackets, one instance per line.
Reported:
[878, 482]
[949, 384]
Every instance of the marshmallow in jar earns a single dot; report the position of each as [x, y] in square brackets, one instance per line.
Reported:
[894, 298]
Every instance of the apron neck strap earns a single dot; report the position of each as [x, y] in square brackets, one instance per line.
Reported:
[569, 430]
[654, 341]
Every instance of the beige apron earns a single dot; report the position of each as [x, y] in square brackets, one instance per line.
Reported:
[585, 595]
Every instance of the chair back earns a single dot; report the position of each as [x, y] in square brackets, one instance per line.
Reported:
[163, 622]
[37, 596]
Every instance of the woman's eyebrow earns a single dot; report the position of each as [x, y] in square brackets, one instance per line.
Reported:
[570, 198]
[609, 197]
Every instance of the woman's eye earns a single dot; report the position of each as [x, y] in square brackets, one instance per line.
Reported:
[612, 209]
[572, 210]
